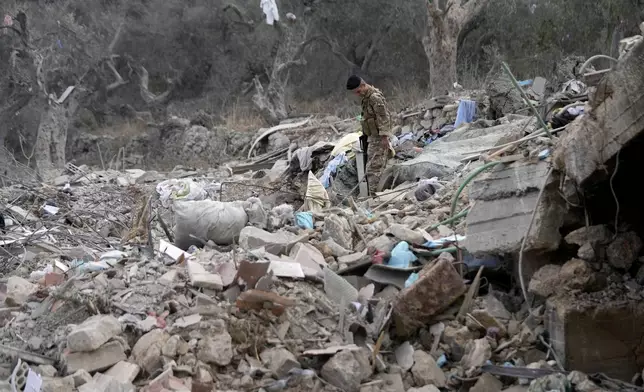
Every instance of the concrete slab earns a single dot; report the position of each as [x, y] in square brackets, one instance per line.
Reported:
[597, 337]
[504, 202]
[617, 117]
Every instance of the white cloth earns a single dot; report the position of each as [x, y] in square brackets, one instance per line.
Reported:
[270, 9]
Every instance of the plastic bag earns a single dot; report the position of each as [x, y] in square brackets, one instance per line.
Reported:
[180, 189]
[257, 215]
[206, 220]
[401, 256]
[316, 196]
[304, 220]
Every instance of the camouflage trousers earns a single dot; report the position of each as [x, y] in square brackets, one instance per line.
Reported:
[377, 155]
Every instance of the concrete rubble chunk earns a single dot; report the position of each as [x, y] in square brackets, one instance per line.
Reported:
[426, 388]
[456, 339]
[623, 251]
[147, 351]
[338, 229]
[437, 287]
[81, 377]
[277, 243]
[335, 249]
[344, 370]
[217, 347]
[487, 383]
[58, 384]
[353, 258]
[311, 259]
[595, 235]
[426, 371]
[390, 383]
[199, 277]
[105, 383]
[100, 359]
[404, 233]
[545, 281]
[577, 274]
[488, 321]
[93, 332]
[279, 360]
[477, 352]
[18, 291]
[124, 372]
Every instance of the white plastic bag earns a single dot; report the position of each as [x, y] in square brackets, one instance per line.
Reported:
[180, 189]
[207, 220]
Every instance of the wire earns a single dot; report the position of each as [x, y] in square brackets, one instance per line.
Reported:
[612, 189]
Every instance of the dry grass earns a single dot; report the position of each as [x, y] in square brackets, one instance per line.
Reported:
[127, 129]
[243, 118]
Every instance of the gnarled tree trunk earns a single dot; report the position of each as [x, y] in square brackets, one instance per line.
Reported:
[440, 41]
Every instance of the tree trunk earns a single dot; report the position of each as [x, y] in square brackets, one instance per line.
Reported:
[52, 138]
[440, 46]
[270, 101]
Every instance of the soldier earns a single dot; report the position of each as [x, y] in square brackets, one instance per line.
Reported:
[376, 129]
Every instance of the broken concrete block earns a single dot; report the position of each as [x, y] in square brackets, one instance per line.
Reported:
[353, 258]
[100, 359]
[18, 291]
[615, 327]
[147, 351]
[345, 371]
[81, 377]
[595, 235]
[277, 243]
[426, 371]
[456, 339]
[61, 180]
[586, 252]
[338, 229]
[577, 274]
[437, 287]
[105, 383]
[57, 384]
[392, 382]
[169, 277]
[93, 332]
[477, 352]
[545, 282]
[217, 347]
[122, 181]
[505, 200]
[279, 360]
[487, 383]
[199, 277]
[404, 233]
[623, 251]
[488, 321]
[311, 259]
[124, 372]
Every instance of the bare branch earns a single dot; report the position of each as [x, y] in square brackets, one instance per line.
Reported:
[335, 49]
[433, 11]
[472, 8]
[240, 14]
[372, 48]
[119, 80]
[148, 96]
[115, 40]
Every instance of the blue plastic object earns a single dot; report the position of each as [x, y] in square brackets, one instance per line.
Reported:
[304, 220]
[401, 256]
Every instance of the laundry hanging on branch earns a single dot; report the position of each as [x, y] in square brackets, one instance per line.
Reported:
[270, 9]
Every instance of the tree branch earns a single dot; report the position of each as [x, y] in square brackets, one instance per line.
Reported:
[148, 96]
[372, 48]
[433, 11]
[335, 49]
[472, 8]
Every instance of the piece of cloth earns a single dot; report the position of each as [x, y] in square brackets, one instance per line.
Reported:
[353, 82]
[270, 10]
[331, 168]
[466, 112]
[378, 155]
[376, 119]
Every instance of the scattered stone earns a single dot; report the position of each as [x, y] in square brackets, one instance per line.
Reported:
[279, 360]
[437, 287]
[93, 332]
[311, 259]
[173, 346]
[353, 258]
[124, 372]
[488, 321]
[335, 249]
[426, 371]
[426, 388]
[405, 356]
[456, 339]
[18, 291]
[277, 243]
[338, 229]
[104, 357]
[55, 384]
[405, 234]
[81, 377]
[105, 383]
[345, 371]
[577, 274]
[623, 251]
[61, 180]
[217, 348]
[594, 235]
[47, 371]
[496, 308]
[147, 351]
[545, 282]
[477, 352]
[552, 382]
[586, 252]
[199, 277]
[169, 277]
[487, 383]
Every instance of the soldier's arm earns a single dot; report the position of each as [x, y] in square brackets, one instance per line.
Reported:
[382, 114]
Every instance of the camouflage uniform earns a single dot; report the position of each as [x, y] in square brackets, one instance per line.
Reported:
[376, 125]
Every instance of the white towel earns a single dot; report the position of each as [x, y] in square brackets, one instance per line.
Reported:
[270, 9]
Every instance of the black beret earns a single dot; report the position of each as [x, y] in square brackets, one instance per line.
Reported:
[353, 82]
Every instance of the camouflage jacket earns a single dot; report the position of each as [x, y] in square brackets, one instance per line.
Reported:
[375, 113]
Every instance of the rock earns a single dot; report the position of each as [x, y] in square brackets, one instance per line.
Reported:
[336, 250]
[489, 321]
[61, 180]
[93, 332]
[594, 235]
[426, 371]
[169, 277]
[47, 371]
[311, 259]
[81, 377]
[201, 278]
[392, 382]
[437, 287]
[147, 351]
[487, 383]
[496, 308]
[345, 371]
[279, 360]
[122, 181]
[577, 274]
[587, 386]
[171, 347]
[277, 243]
[403, 233]
[405, 356]
[477, 352]
[586, 252]
[426, 388]
[104, 357]
[457, 339]
[545, 281]
[105, 383]
[35, 342]
[383, 243]
[124, 372]
[217, 348]
[54, 384]
[552, 382]
[623, 251]
[338, 229]
[18, 291]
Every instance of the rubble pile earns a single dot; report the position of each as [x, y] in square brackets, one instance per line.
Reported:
[226, 280]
